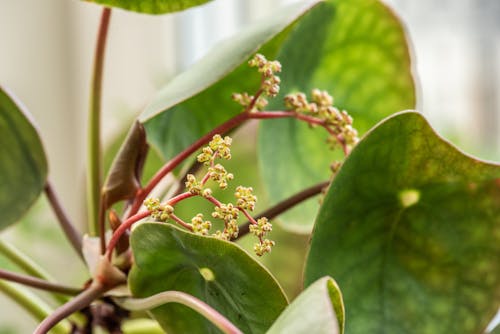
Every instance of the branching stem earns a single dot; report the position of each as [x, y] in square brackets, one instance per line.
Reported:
[221, 129]
[69, 229]
[284, 206]
[182, 298]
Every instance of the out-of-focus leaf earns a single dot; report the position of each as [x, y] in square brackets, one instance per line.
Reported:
[23, 166]
[410, 229]
[319, 309]
[172, 126]
[151, 6]
[218, 272]
[358, 52]
[124, 176]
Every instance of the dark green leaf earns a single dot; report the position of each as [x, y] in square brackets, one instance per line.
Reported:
[356, 50]
[318, 309]
[124, 176]
[410, 229]
[215, 271]
[183, 124]
[23, 166]
[151, 6]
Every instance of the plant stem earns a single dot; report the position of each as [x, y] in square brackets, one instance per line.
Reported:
[284, 206]
[32, 304]
[27, 265]
[121, 229]
[194, 303]
[221, 129]
[69, 229]
[181, 222]
[169, 166]
[82, 300]
[37, 283]
[94, 126]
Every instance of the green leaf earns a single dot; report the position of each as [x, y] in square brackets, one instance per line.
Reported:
[215, 271]
[151, 6]
[124, 176]
[171, 129]
[318, 309]
[410, 231]
[358, 52]
[23, 166]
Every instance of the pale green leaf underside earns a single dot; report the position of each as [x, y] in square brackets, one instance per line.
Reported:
[215, 271]
[23, 166]
[151, 6]
[199, 99]
[357, 51]
[410, 230]
[318, 309]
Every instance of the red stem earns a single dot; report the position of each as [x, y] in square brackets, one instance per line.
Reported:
[167, 168]
[122, 229]
[221, 129]
[181, 222]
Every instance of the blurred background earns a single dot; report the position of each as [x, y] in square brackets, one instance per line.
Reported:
[46, 55]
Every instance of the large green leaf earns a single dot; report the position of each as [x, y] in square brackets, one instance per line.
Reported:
[151, 6]
[410, 229]
[172, 126]
[215, 271]
[318, 309]
[356, 50]
[23, 167]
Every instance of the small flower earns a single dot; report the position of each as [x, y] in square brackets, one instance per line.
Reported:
[206, 156]
[263, 247]
[159, 212]
[199, 225]
[192, 185]
[245, 199]
[221, 146]
[219, 174]
[226, 212]
[321, 98]
[262, 227]
[298, 103]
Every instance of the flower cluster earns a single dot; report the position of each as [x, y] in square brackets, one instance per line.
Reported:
[217, 147]
[260, 230]
[192, 185]
[338, 123]
[229, 214]
[269, 86]
[245, 199]
[160, 212]
[220, 175]
[199, 225]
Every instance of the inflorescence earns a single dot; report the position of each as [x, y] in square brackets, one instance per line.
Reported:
[218, 148]
[318, 110]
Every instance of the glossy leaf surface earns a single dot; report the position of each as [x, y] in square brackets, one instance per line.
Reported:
[151, 6]
[318, 309]
[23, 166]
[410, 231]
[215, 271]
[358, 52]
[196, 101]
